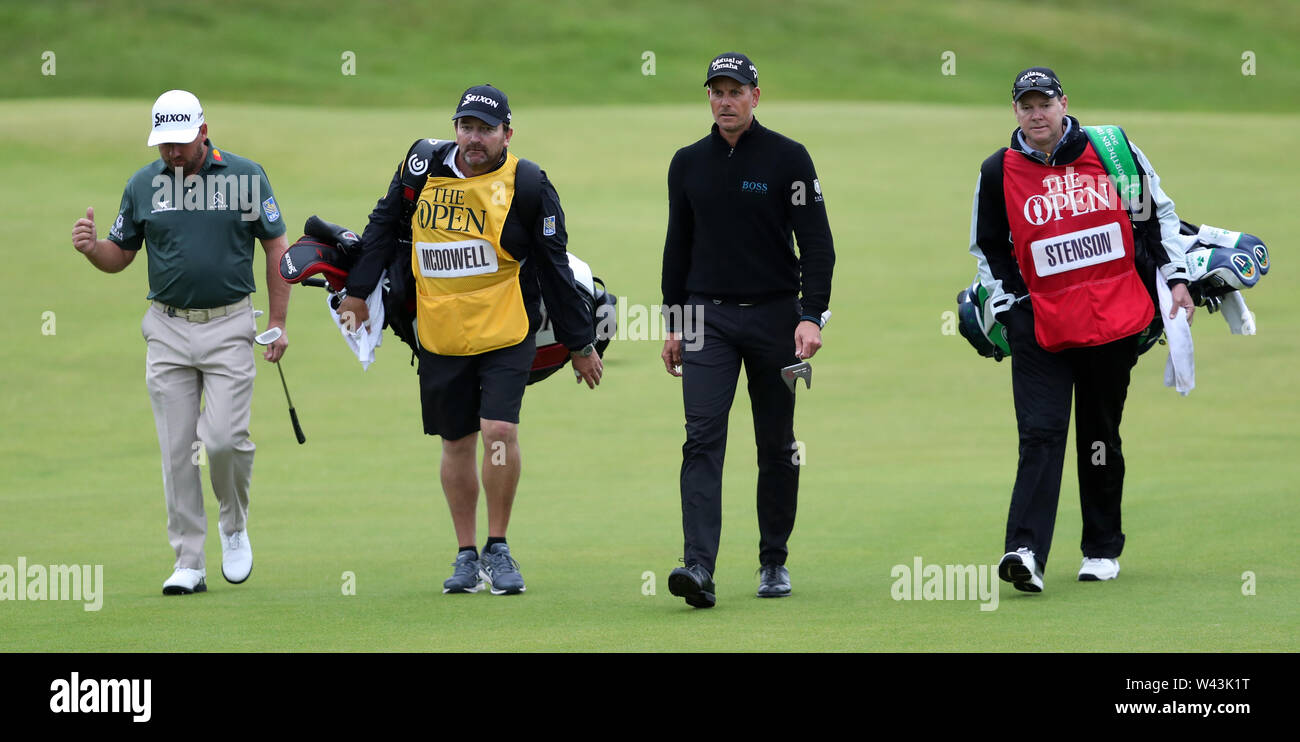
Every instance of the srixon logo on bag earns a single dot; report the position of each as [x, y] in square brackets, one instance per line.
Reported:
[1070, 194]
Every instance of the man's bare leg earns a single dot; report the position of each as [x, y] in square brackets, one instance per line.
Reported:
[501, 467]
[460, 485]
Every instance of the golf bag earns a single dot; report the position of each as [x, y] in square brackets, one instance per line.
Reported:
[329, 251]
[1219, 262]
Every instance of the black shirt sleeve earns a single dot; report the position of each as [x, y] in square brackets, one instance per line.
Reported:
[378, 242]
[568, 310]
[677, 244]
[993, 231]
[813, 233]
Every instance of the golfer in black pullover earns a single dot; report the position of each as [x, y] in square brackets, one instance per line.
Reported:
[735, 291]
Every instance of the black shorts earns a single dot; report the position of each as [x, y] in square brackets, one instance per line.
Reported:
[455, 391]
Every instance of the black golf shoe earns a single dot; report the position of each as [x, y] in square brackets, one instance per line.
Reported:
[693, 583]
[773, 581]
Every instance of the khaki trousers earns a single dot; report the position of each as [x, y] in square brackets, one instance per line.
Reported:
[212, 362]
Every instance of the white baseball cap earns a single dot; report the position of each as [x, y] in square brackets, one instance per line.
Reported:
[176, 118]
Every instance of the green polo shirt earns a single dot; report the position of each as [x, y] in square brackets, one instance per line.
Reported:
[199, 230]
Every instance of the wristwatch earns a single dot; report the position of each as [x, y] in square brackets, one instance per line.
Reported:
[585, 350]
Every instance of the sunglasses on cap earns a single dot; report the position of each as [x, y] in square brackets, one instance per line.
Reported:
[1038, 81]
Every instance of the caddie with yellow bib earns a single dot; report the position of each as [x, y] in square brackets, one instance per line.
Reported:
[1072, 232]
[478, 235]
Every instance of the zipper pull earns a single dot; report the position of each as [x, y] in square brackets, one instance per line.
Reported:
[729, 154]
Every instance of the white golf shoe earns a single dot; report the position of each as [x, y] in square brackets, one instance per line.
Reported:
[1021, 569]
[1096, 570]
[236, 557]
[185, 582]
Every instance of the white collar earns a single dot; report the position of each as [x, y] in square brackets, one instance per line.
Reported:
[450, 160]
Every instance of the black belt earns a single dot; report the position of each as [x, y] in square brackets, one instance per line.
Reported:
[743, 301]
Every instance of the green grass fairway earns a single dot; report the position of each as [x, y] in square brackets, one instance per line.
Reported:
[1158, 54]
[910, 437]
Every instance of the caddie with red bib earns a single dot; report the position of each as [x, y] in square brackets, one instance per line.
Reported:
[1071, 230]
[475, 236]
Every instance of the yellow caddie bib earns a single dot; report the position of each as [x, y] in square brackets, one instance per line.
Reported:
[468, 298]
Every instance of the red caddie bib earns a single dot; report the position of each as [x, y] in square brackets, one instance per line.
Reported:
[1073, 242]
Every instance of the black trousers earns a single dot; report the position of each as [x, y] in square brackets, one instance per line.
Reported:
[720, 337]
[1042, 383]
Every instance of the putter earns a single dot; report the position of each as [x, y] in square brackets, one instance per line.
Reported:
[801, 370]
[266, 338]
[791, 375]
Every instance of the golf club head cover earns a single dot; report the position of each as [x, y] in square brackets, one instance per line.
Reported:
[1214, 271]
[977, 321]
[329, 233]
[1215, 237]
[309, 257]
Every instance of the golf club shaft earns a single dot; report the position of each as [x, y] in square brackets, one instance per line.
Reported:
[293, 414]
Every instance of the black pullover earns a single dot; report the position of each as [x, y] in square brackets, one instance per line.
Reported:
[731, 215]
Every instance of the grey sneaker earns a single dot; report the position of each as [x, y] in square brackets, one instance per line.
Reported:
[465, 578]
[501, 571]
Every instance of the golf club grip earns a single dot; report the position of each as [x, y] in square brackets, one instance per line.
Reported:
[297, 429]
[317, 282]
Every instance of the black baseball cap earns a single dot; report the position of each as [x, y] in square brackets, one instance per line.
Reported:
[734, 65]
[1040, 79]
[486, 103]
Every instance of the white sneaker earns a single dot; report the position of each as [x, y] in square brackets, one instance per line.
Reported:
[236, 557]
[1095, 570]
[1020, 568]
[186, 581]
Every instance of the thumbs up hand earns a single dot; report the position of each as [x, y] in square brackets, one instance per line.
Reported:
[83, 232]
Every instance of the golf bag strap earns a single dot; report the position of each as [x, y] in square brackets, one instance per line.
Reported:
[1113, 149]
[1116, 155]
[413, 184]
[528, 191]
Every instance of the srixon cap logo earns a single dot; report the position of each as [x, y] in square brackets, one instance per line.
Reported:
[167, 118]
[471, 98]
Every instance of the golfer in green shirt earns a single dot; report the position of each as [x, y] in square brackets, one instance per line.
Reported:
[197, 211]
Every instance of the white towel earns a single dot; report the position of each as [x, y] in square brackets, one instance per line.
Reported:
[370, 335]
[1180, 368]
[1238, 316]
